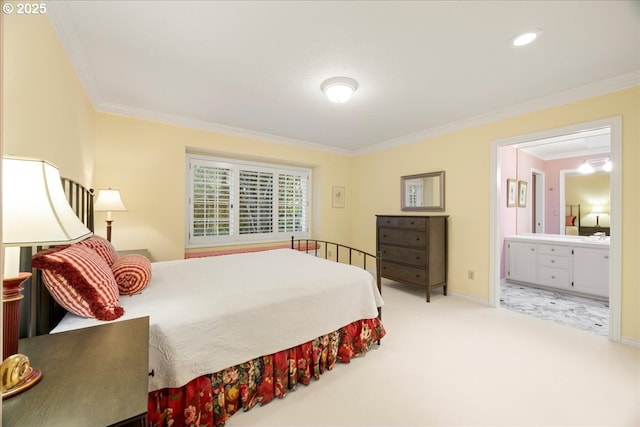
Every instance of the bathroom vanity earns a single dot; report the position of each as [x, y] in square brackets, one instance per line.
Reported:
[574, 264]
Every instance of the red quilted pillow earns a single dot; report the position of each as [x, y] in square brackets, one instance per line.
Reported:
[103, 247]
[80, 281]
[132, 273]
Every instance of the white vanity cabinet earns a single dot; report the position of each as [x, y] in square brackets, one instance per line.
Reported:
[554, 265]
[591, 271]
[521, 261]
[577, 264]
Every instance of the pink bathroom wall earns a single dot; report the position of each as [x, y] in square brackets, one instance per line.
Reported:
[508, 217]
[526, 163]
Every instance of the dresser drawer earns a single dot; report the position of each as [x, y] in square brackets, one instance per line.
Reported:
[406, 222]
[553, 261]
[554, 250]
[403, 273]
[553, 277]
[417, 257]
[394, 236]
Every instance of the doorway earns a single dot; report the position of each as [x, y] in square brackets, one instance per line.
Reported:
[537, 201]
[497, 234]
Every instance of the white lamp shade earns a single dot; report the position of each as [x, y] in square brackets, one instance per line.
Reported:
[109, 200]
[35, 210]
[597, 210]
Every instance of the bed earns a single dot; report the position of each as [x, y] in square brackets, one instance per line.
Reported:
[224, 337]
[572, 220]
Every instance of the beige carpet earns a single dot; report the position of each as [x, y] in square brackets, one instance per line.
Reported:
[456, 363]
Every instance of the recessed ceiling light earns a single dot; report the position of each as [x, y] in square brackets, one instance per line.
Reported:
[339, 89]
[526, 38]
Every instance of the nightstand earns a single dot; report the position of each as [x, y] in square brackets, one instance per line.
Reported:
[96, 376]
[144, 252]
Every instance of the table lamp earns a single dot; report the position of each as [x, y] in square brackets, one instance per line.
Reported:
[597, 211]
[35, 212]
[110, 201]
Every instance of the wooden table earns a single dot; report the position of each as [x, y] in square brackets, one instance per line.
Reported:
[95, 376]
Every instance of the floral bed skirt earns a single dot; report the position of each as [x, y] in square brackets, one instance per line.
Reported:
[211, 399]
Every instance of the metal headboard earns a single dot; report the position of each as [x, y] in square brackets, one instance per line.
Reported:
[39, 312]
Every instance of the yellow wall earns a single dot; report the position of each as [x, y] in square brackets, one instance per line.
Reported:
[465, 156]
[47, 113]
[146, 161]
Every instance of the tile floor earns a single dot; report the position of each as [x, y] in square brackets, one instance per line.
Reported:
[578, 312]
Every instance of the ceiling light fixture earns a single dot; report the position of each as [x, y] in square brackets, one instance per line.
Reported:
[602, 163]
[526, 38]
[339, 89]
[586, 168]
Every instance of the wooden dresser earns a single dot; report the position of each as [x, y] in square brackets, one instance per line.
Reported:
[413, 250]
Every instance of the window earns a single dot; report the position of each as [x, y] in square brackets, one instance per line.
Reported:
[232, 201]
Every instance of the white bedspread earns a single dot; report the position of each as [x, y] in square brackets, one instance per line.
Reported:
[207, 314]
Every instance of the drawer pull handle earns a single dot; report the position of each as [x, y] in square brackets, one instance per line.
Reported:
[553, 249]
[152, 373]
[553, 277]
[552, 261]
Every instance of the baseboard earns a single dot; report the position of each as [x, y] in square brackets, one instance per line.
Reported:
[630, 342]
[468, 298]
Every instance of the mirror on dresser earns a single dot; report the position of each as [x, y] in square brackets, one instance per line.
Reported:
[422, 192]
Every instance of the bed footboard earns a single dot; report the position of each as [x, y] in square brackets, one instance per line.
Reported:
[339, 253]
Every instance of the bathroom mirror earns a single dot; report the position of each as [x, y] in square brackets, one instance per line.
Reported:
[422, 192]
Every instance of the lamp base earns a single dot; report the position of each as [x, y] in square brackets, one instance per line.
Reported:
[109, 229]
[18, 375]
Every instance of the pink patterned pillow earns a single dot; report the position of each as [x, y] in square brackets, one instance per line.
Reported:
[103, 247]
[132, 273]
[80, 281]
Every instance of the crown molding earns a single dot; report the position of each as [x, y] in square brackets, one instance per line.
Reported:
[65, 27]
[190, 123]
[603, 87]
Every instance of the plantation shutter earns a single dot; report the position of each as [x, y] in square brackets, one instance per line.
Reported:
[256, 202]
[233, 201]
[211, 200]
[292, 202]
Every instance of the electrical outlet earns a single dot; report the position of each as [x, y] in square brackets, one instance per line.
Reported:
[471, 274]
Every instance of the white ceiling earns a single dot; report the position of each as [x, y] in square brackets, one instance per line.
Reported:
[594, 141]
[423, 68]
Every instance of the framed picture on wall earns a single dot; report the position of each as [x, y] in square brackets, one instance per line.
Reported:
[511, 192]
[522, 194]
[337, 200]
